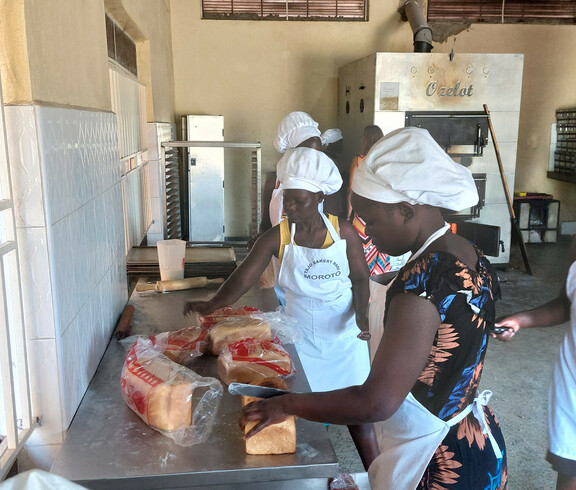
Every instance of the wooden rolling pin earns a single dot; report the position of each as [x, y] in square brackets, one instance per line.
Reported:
[125, 323]
[179, 284]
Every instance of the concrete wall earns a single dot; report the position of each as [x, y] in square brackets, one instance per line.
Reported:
[55, 52]
[254, 72]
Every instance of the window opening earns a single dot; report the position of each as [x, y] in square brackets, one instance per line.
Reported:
[503, 11]
[315, 10]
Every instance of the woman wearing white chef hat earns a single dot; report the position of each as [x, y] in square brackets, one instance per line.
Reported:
[296, 130]
[324, 275]
[435, 429]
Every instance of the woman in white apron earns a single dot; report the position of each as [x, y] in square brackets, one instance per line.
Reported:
[296, 130]
[562, 396]
[325, 279]
[436, 429]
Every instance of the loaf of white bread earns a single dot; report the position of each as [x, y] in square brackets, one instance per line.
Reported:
[250, 361]
[277, 438]
[182, 345]
[152, 387]
[235, 329]
[221, 314]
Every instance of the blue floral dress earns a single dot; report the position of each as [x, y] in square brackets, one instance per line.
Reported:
[465, 301]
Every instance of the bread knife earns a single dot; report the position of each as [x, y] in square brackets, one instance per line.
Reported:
[255, 391]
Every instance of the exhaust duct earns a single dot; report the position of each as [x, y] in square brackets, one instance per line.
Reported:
[413, 12]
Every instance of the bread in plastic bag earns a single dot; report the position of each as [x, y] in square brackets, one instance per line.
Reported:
[168, 397]
[182, 345]
[250, 361]
[237, 328]
[208, 321]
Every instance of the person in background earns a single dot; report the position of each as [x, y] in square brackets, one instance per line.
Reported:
[436, 430]
[324, 276]
[562, 395]
[378, 262]
[296, 130]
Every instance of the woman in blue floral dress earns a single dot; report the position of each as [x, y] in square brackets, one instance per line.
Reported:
[464, 298]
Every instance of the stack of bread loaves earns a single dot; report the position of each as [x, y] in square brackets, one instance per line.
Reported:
[247, 353]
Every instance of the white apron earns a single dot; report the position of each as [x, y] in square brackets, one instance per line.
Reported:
[276, 210]
[379, 285]
[409, 438]
[562, 395]
[319, 295]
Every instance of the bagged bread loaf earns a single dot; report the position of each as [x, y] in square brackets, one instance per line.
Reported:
[235, 329]
[274, 439]
[182, 345]
[208, 321]
[251, 361]
[162, 393]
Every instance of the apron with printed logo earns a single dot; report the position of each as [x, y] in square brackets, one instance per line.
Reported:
[319, 295]
[409, 439]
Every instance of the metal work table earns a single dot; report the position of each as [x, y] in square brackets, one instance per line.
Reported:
[108, 446]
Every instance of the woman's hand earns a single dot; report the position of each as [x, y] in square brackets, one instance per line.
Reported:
[267, 412]
[202, 307]
[363, 325]
[511, 324]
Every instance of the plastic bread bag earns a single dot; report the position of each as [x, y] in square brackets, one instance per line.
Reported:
[208, 321]
[237, 328]
[284, 327]
[180, 346]
[250, 361]
[168, 397]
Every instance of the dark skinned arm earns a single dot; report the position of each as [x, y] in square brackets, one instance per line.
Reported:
[411, 325]
[243, 278]
[269, 186]
[552, 313]
[359, 273]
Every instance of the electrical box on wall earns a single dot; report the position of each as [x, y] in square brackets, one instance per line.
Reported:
[442, 93]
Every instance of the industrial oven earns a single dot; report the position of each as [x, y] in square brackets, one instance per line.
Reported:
[446, 94]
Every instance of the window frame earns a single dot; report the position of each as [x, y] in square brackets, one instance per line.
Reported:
[260, 10]
[15, 391]
[554, 12]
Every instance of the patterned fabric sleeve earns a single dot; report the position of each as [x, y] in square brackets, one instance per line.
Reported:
[440, 276]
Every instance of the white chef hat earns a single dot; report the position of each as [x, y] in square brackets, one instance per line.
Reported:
[330, 136]
[309, 170]
[407, 165]
[295, 128]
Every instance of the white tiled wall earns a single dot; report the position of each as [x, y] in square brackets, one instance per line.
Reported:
[66, 184]
[157, 133]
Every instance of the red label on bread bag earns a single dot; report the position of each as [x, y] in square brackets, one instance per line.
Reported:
[247, 351]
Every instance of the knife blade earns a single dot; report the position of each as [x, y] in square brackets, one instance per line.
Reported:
[254, 390]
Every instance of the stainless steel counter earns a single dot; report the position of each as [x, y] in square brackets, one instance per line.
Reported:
[109, 446]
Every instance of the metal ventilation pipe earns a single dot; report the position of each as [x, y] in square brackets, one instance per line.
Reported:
[413, 12]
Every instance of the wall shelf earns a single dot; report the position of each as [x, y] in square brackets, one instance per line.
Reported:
[565, 177]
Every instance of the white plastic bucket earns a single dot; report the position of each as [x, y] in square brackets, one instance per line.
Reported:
[171, 258]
